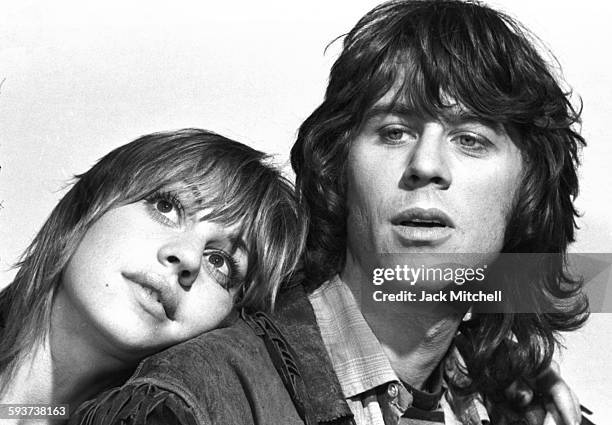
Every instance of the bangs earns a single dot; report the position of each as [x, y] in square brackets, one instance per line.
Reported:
[226, 179]
[229, 193]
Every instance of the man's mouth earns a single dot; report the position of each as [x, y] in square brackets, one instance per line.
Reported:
[424, 218]
[419, 227]
[422, 223]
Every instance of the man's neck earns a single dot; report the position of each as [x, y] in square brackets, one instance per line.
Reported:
[415, 341]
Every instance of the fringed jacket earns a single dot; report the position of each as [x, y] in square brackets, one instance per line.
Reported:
[245, 373]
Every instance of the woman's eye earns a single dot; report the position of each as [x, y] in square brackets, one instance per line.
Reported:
[165, 208]
[219, 263]
[169, 211]
[222, 268]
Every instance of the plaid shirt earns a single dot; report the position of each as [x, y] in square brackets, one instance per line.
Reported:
[372, 389]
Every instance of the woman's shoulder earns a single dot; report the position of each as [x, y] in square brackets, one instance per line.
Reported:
[229, 375]
[212, 349]
[139, 403]
[223, 356]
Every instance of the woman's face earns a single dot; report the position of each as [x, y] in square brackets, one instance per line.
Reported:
[149, 275]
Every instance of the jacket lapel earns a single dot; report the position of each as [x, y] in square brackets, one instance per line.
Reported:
[295, 318]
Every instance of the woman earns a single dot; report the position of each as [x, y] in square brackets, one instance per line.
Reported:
[157, 243]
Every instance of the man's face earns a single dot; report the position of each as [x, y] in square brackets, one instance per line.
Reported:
[421, 185]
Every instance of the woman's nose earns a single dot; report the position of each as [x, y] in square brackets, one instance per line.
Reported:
[185, 259]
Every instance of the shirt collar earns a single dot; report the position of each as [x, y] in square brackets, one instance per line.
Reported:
[356, 355]
[358, 358]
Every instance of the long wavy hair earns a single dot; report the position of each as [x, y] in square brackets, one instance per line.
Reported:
[481, 59]
[231, 179]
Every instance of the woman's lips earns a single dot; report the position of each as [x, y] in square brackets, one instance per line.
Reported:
[154, 289]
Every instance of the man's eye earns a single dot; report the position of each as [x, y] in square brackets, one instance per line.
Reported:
[397, 135]
[222, 267]
[471, 142]
[467, 141]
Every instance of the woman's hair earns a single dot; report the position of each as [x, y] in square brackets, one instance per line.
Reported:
[231, 180]
[436, 56]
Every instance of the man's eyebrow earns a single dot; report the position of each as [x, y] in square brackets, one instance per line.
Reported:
[393, 109]
[453, 115]
[462, 116]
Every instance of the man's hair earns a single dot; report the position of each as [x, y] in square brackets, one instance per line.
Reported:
[446, 54]
[231, 181]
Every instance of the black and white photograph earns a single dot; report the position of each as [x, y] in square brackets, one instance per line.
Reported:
[328, 212]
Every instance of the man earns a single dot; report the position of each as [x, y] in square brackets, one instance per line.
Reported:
[442, 131]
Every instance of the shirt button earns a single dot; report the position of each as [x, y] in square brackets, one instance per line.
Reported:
[393, 390]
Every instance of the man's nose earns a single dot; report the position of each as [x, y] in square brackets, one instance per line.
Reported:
[184, 257]
[427, 162]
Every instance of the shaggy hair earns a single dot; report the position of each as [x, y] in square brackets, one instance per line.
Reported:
[231, 180]
[441, 55]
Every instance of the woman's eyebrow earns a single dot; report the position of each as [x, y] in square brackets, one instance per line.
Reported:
[235, 237]
[238, 243]
[197, 195]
